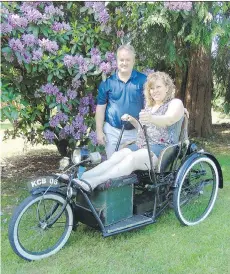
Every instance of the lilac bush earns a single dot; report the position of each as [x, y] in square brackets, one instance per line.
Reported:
[52, 64]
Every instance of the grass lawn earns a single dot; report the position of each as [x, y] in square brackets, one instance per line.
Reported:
[164, 247]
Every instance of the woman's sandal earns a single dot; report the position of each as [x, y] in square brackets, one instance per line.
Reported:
[83, 184]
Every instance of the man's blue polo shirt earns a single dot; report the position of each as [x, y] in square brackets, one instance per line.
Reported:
[122, 97]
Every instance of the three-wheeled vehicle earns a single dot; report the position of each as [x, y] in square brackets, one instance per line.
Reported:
[185, 179]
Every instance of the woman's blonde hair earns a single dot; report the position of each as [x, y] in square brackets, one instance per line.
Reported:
[151, 79]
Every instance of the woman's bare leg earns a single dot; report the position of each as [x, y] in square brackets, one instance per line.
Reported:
[137, 160]
[106, 165]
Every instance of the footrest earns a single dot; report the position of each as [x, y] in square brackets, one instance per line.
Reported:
[136, 220]
[118, 182]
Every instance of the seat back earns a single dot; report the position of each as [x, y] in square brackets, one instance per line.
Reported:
[168, 157]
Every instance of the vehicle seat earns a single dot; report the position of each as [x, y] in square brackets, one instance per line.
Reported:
[169, 155]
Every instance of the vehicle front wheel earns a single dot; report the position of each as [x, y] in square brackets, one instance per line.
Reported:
[197, 191]
[33, 234]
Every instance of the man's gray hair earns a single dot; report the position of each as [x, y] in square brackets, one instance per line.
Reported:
[128, 48]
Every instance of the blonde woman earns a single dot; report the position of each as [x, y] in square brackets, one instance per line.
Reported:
[163, 116]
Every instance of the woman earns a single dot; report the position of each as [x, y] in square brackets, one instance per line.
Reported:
[163, 117]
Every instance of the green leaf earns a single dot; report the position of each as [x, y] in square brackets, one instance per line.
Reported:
[35, 31]
[83, 9]
[119, 23]
[52, 105]
[49, 78]
[28, 67]
[69, 5]
[6, 49]
[73, 49]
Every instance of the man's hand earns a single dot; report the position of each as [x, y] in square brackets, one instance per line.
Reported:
[101, 139]
[127, 118]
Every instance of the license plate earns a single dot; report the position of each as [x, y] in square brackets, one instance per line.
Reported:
[44, 181]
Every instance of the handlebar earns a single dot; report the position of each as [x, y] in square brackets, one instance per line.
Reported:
[144, 129]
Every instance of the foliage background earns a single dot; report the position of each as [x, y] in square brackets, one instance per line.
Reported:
[54, 54]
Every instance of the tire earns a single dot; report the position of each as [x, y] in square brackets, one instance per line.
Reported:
[196, 194]
[29, 233]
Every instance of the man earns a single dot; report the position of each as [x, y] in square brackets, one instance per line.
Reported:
[121, 93]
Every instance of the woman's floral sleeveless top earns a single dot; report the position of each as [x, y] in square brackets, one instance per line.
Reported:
[159, 135]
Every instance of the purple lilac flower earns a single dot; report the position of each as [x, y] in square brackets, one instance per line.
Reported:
[105, 67]
[83, 128]
[6, 28]
[148, 71]
[120, 33]
[98, 6]
[76, 83]
[16, 21]
[70, 61]
[100, 12]
[27, 57]
[110, 56]
[77, 135]
[16, 45]
[37, 55]
[69, 129]
[84, 101]
[51, 11]
[94, 51]
[103, 17]
[49, 135]
[59, 117]
[78, 121]
[93, 137]
[83, 110]
[60, 98]
[96, 59]
[72, 94]
[62, 134]
[50, 46]
[29, 39]
[83, 68]
[94, 108]
[79, 59]
[32, 14]
[114, 65]
[89, 4]
[57, 26]
[50, 89]
[25, 5]
[177, 6]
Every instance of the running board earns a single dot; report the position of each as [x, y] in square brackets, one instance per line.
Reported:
[135, 221]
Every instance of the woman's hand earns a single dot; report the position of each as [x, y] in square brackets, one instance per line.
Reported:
[145, 117]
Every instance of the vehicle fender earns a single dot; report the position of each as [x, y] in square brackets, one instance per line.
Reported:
[188, 162]
[43, 189]
[211, 156]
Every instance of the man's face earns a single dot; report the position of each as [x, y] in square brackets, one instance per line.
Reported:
[125, 61]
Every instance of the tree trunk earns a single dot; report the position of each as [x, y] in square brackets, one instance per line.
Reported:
[198, 93]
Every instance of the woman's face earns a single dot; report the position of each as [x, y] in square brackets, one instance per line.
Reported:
[158, 91]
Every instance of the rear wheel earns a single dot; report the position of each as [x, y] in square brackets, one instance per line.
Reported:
[32, 233]
[197, 191]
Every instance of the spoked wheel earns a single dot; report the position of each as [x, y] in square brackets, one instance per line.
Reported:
[197, 191]
[35, 231]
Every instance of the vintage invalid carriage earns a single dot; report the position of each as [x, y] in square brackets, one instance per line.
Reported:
[185, 180]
